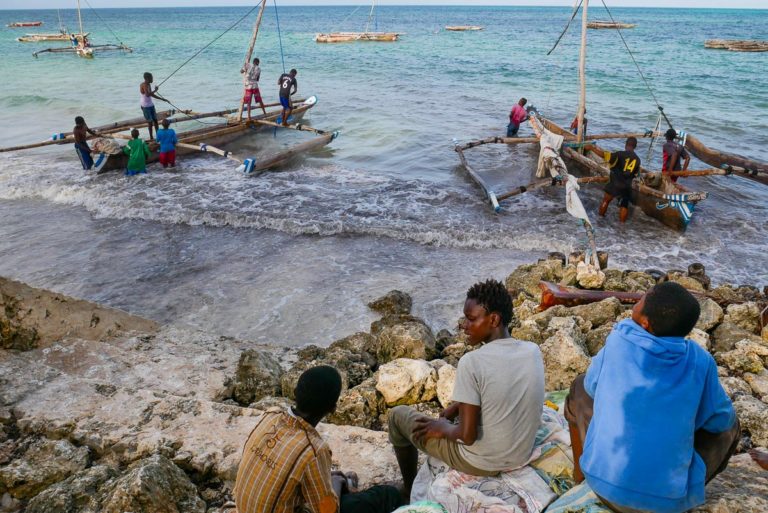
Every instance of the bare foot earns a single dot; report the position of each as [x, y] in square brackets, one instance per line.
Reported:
[760, 457]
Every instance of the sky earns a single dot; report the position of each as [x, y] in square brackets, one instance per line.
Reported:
[52, 4]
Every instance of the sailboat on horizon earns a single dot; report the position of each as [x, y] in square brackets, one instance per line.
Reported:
[366, 35]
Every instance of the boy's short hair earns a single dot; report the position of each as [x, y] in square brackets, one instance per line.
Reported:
[166, 122]
[134, 133]
[147, 75]
[524, 100]
[318, 390]
[293, 71]
[79, 120]
[671, 310]
[494, 297]
[256, 60]
[632, 142]
[670, 134]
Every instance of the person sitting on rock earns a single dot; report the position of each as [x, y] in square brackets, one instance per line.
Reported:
[498, 398]
[650, 423]
[286, 464]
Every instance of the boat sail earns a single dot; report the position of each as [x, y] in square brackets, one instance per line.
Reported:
[657, 194]
[366, 35]
[81, 45]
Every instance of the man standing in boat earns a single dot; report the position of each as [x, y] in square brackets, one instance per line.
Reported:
[516, 117]
[672, 154]
[147, 106]
[625, 166]
[252, 75]
[288, 87]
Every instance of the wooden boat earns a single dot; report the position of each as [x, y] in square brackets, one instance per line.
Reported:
[610, 25]
[462, 28]
[365, 35]
[736, 45]
[349, 37]
[19, 24]
[83, 48]
[38, 38]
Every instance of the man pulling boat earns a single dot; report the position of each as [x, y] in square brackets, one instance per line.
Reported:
[672, 154]
[625, 166]
[80, 133]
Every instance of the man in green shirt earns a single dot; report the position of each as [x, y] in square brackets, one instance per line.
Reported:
[138, 152]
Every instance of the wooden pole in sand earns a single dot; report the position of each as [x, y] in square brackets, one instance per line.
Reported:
[250, 50]
[582, 73]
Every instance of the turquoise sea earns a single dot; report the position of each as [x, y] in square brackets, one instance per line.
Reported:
[384, 206]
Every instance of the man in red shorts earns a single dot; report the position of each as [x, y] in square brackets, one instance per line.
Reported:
[252, 75]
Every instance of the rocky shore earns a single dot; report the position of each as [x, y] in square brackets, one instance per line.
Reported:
[104, 411]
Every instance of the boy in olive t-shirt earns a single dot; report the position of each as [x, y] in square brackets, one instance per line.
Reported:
[498, 398]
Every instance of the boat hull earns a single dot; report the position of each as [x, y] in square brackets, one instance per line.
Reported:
[19, 24]
[463, 28]
[219, 135]
[349, 37]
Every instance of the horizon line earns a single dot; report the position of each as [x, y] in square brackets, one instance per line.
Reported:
[391, 5]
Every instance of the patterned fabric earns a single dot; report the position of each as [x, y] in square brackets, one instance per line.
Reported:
[528, 489]
[579, 499]
[286, 466]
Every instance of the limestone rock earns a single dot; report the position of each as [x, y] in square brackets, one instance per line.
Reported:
[446, 377]
[735, 387]
[569, 276]
[76, 494]
[740, 361]
[528, 330]
[44, 463]
[453, 353]
[564, 359]
[686, 281]
[406, 381]
[257, 376]
[526, 278]
[353, 367]
[596, 338]
[745, 316]
[359, 406]
[571, 326]
[406, 340]
[765, 334]
[152, 485]
[356, 343]
[636, 281]
[589, 277]
[614, 280]
[392, 320]
[741, 488]
[526, 310]
[752, 414]
[759, 384]
[711, 314]
[266, 403]
[700, 337]
[727, 334]
[393, 302]
[599, 313]
[542, 319]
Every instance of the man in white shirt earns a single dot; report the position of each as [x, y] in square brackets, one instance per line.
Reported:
[252, 75]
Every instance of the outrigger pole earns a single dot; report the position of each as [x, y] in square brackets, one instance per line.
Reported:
[582, 74]
[249, 53]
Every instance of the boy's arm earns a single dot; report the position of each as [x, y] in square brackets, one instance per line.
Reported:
[317, 484]
[465, 431]
[716, 413]
[295, 87]
[451, 411]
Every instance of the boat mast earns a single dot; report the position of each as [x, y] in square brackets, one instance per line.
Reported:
[370, 16]
[249, 53]
[80, 18]
[582, 74]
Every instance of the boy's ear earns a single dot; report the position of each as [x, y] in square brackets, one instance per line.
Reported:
[495, 319]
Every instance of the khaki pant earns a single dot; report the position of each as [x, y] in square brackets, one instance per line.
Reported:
[714, 448]
[402, 420]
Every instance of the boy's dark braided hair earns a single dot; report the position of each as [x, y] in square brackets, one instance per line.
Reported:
[494, 297]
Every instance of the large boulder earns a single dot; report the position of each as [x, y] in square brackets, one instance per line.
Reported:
[446, 378]
[356, 343]
[528, 330]
[410, 339]
[636, 281]
[752, 414]
[257, 376]
[759, 384]
[152, 485]
[726, 335]
[740, 360]
[43, 463]
[354, 367]
[741, 488]
[453, 353]
[526, 278]
[589, 277]
[595, 339]
[711, 314]
[700, 337]
[76, 494]
[393, 302]
[599, 313]
[406, 381]
[564, 359]
[744, 315]
[525, 310]
[686, 281]
[574, 327]
[359, 406]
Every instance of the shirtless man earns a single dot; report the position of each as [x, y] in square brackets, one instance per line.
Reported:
[80, 132]
[147, 106]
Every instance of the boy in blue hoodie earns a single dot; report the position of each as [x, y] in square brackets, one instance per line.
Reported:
[650, 416]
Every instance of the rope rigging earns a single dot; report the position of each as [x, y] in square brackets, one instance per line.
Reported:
[117, 38]
[567, 26]
[279, 36]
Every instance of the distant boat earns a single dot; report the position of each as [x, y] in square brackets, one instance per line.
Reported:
[347, 37]
[736, 45]
[18, 24]
[62, 35]
[609, 25]
[462, 28]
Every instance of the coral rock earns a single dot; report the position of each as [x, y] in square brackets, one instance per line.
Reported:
[359, 406]
[741, 488]
[446, 377]
[564, 359]
[725, 336]
[406, 340]
[258, 375]
[393, 302]
[700, 337]
[735, 387]
[406, 381]
[752, 414]
[589, 277]
[758, 383]
[599, 313]
[76, 494]
[595, 339]
[711, 314]
[42, 464]
[526, 278]
[744, 315]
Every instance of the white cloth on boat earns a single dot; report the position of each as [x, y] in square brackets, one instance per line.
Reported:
[108, 146]
[550, 146]
[529, 489]
[572, 201]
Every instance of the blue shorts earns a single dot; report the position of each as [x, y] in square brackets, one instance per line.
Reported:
[150, 114]
[84, 153]
[512, 130]
[285, 102]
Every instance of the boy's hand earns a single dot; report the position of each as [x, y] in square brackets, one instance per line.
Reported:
[427, 428]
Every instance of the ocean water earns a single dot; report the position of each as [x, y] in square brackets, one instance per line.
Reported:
[292, 256]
